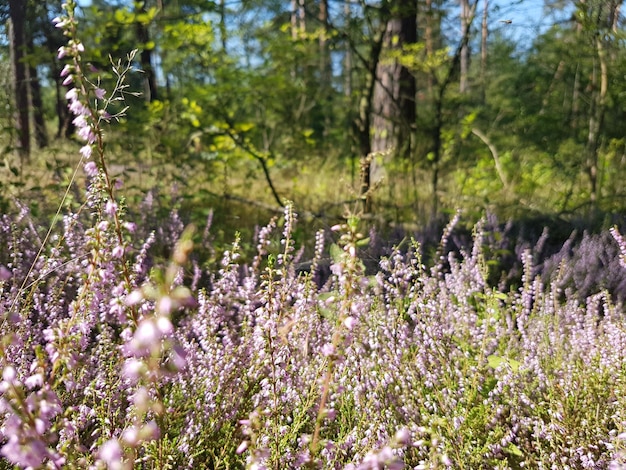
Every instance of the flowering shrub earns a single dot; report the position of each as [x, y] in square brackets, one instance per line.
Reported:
[114, 358]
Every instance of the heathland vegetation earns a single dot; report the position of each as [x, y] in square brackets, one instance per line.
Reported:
[267, 236]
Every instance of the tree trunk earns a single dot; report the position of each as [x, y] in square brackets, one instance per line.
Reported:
[17, 12]
[395, 89]
[325, 70]
[596, 120]
[437, 128]
[362, 124]
[41, 133]
[483, 51]
[145, 57]
[223, 35]
[465, 52]
[294, 19]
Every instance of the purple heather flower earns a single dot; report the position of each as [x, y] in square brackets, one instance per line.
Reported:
[91, 169]
[78, 108]
[86, 151]
[328, 349]
[117, 252]
[130, 436]
[71, 94]
[5, 274]
[133, 369]
[100, 93]
[130, 226]
[80, 121]
[110, 208]
[28, 454]
[111, 453]
[87, 134]
[134, 297]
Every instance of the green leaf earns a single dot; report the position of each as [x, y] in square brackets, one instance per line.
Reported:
[513, 450]
[363, 242]
[335, 253]
[495, 361]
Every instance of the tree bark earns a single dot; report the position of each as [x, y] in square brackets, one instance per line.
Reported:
[437, 128]
[483, 51]
[17, 12]
[465, 52]
[596, 120]
[395, 89]
[145, 57]
[41, 133]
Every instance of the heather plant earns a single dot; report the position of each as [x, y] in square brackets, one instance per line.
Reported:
[114, 356]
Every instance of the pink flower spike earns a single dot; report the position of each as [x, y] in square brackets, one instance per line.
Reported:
[66, 70]
[62, 52]
[69, 79]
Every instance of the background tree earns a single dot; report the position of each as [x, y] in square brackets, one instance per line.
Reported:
[17, 38]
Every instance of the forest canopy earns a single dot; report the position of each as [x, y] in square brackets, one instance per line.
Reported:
[406, 109]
